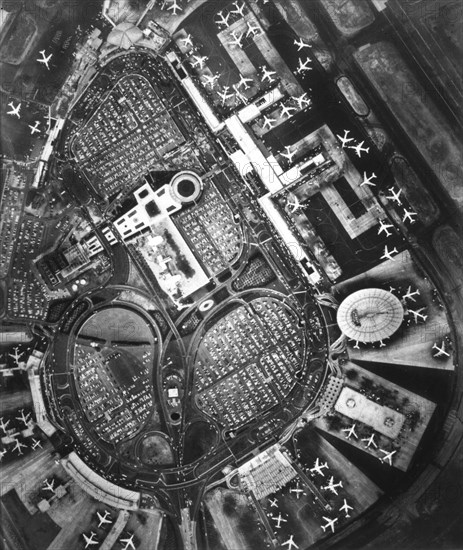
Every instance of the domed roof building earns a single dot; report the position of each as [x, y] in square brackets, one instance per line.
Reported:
[125, 35]
[370, 315]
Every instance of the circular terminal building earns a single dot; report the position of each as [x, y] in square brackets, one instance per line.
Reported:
[370, 315]
[186, 187]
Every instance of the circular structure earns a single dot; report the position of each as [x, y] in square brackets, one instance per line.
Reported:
[186, 187]
[370, 315]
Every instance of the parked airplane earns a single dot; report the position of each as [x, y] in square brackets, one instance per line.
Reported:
[359, 149]
[440, 351]
[36, 443]
[318, 467]
[268, 122]
[210, 80]
[345, 140]
[223, 20]
[301, 44]
[267, 74]
[387, 456]
[45, 59]
[370, 441]
[417, 314]
[35, 128]
[279, 520]
[24, 418]
[367, 181]
[297, 491]
[18, 446]
[289, 154]
[273, 503]
[253, 30]
[294, 205]
[49, 486]
[199, 61]
[329, 523]
[388, 253]
[409, 294]
[395, 195]
[345, 508]
[408, 216]
[303, 66]
[16, 355]
[128, 543]
[286, 111]
[332, 486]
[103, 518]
[384, 227]
[237, 38]
[239, 10]
[290, 543]
[243, 81]
[90, 540]
[187, 41]
[175, 7]
[302, 100]
[350, 432]
[2, 454]
[224, 95]
[4, 425]
[14, 110]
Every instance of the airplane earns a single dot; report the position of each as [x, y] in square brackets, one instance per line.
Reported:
[344, 140]
[440, 350]
[23, 418]
[16, 355]
[387, 456]
[330, 523]
[417, 314]
[279, 520]
[370, 441]
[350, 432]
[237, 38]
[4, 425]
[45, 59]
[298, 492]
[302, 99]
[382, 344]
[198, 60]
[36, 443]
[239, 10]
[273, 503]
[289, 155]
[49, 486]
[303, 66]
[2, 454]
[223, 20]
[175, 7]
[388, 254]
[287, 111]
[128, 543]
[408, 215]
[290, 542]
[18, 446]
[14, 110]
[224, 95]
[35, 128]
[252, 30]
[394, 196]
[89, 540]
[359, 149]
[294, 205]
[210, 80]
[104, 518]
[301, 44]
[267, 74]
[332, 486]
[345, 507]
[367, 181]
[384, 227]
[243, 82]
[268, 122]
[318, 467]
[187, 41]
[409, 294]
